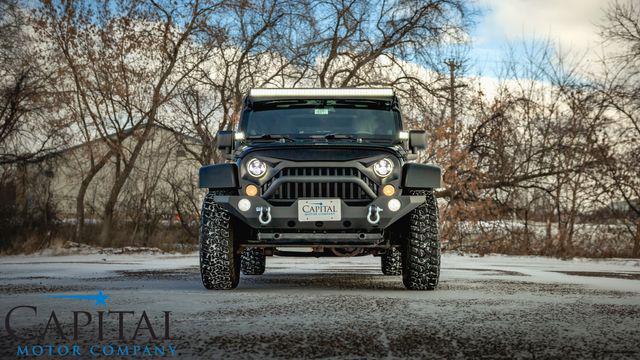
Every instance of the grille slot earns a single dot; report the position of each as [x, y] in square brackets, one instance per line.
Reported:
[351, 192]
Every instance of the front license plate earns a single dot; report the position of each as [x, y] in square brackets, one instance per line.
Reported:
[319, 210]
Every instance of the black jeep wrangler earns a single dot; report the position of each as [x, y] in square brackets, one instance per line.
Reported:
[327, 169]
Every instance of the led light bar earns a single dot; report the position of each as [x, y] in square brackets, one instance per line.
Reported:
[343, 93]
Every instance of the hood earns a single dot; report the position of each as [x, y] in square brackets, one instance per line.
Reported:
[320, 152]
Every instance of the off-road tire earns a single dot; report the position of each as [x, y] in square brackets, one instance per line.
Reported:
[392, 262]
[219, 262]
[421, 253]
[253, 261]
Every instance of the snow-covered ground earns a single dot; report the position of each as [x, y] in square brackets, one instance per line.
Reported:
[492, 306]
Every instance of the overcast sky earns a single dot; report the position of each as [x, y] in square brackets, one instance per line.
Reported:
[571, 24]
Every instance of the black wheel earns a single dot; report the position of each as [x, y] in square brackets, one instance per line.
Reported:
[392, 262]
[253, 261]
[219, 262]
[421, 253]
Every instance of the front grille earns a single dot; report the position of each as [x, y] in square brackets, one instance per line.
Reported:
[351, 192]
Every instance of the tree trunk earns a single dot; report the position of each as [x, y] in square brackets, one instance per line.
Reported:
[562, 236]
[569, 231]
[22, 207]
[79, 233]
[82, 192]
[121, 179]
[107, 222]
[636, 241]
[527, 240]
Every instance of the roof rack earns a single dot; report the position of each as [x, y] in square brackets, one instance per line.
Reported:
[321, 93]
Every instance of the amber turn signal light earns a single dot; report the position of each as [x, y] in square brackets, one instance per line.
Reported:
[251, 190]
[388, 190]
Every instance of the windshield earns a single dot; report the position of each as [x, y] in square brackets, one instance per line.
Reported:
[315, 118]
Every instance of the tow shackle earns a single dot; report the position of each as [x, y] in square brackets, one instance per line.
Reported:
[264, 214]
[373, 216]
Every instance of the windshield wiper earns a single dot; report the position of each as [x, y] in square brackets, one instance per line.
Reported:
[282, 138]
[335, 137]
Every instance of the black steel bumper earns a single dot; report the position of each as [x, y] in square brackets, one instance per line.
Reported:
[353, 218]
[351, 239]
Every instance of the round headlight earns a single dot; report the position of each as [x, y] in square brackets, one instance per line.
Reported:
[383, 167]
[256, 168]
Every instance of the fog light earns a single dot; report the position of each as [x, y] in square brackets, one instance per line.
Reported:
[251, 190]
[394, 205]
[244, 205]
[388, 190]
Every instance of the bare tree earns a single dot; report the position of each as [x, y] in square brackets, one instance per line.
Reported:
[126, 60]
[28, 119]
[252, 44]
[197, 114]
[621, 87]
[356, 37]
[540, 140]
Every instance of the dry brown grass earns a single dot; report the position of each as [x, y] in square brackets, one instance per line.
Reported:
[31, 240]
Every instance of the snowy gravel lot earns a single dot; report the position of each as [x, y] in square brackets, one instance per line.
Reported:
[491, 307]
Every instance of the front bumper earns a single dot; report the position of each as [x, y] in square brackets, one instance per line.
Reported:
[353, 218]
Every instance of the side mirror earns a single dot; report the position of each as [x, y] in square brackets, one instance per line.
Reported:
[417, 140]
[225, 140]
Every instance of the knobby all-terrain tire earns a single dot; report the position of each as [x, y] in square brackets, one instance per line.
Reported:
[219, 262]
[392, 262]
[252, 261]
[421, 255]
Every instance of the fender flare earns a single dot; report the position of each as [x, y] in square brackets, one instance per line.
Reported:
[218, 176]
[421, 176]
